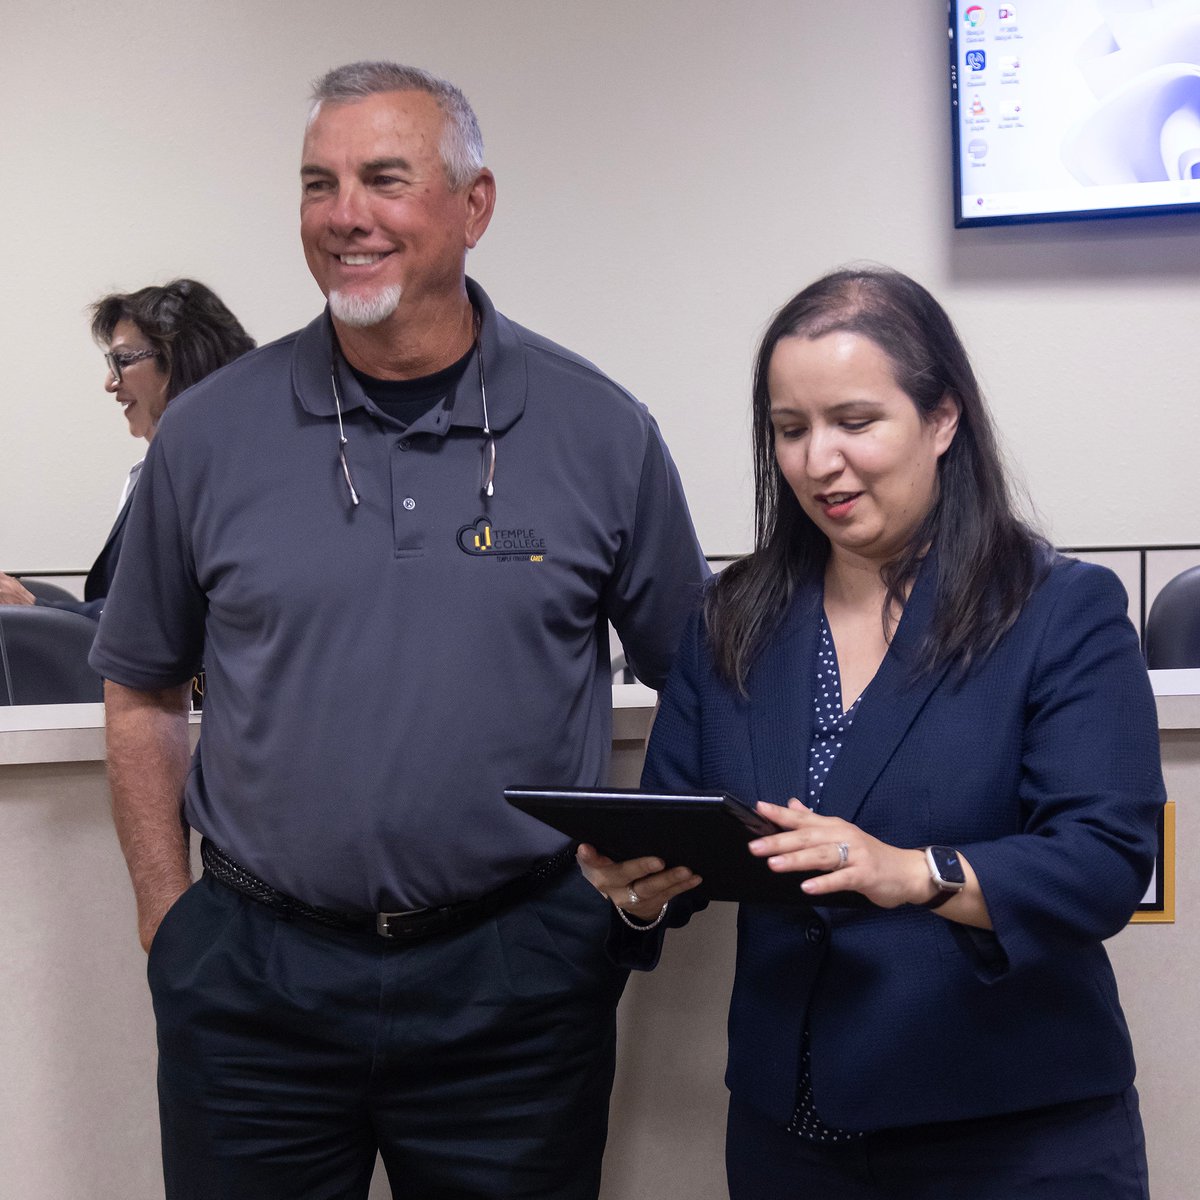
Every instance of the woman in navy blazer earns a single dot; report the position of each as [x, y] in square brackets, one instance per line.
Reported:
[943, 717]
[160, 340]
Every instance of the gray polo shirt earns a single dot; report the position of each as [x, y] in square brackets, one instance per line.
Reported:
[376, 675]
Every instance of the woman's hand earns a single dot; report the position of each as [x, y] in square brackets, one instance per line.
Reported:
[13, 591]
[638, 886]
[854, 861]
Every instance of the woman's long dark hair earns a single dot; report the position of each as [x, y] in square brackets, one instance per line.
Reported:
[988, 560]
[186, 323]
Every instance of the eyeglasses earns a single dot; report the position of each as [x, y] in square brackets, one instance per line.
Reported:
[118, 360]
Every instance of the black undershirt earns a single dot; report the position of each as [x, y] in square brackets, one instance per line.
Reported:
[407, 399]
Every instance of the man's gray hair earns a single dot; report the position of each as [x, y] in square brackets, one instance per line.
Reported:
[462, 143]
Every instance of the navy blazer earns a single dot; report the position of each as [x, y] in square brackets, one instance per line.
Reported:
[100, 577]
[1041, 767]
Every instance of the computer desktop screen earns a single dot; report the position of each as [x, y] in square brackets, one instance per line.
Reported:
[1066, 109]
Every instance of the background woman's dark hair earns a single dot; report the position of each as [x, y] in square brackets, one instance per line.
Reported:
[189, 328]
[988, 559]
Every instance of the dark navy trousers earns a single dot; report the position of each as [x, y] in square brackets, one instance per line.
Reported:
[478, 1064]
[1089, 1150]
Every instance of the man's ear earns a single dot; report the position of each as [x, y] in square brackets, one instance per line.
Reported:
[481, 203]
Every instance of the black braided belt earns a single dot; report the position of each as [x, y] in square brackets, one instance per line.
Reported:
[409, 926]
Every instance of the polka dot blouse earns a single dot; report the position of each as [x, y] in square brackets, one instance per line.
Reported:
[830, 726]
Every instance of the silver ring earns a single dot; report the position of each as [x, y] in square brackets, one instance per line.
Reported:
[843, 849]
[634, 898]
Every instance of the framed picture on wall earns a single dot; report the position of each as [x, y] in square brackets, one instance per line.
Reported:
[1158, 904]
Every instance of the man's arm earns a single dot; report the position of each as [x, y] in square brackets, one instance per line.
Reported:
[147, 737]
[660, 569]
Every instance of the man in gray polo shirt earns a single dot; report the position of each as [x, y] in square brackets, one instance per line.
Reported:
[396, 539]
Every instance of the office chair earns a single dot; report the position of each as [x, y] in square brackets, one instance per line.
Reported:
[48, 591]
[622, 672]
[1173, 626]
[43, 657]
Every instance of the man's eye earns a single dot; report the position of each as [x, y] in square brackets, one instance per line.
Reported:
[312, 186]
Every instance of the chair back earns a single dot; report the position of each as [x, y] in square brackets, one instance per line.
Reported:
[43, 657]
[44, 590]
[1173, 626]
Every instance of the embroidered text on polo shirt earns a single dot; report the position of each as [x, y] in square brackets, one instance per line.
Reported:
[484, 540]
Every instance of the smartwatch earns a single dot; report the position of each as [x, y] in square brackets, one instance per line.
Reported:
[946, 872]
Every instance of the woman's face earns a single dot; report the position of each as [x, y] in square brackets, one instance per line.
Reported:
[142, 390]
[852, 445]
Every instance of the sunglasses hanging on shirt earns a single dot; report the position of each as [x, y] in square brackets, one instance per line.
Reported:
[487, 483]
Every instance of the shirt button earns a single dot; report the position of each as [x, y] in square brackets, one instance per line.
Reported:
[409, 503]
[403, 443]
[815, 931]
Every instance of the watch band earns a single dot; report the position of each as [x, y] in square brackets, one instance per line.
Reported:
[940, 897]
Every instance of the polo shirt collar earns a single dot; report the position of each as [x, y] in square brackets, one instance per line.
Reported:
[313, 363]
[504, 371]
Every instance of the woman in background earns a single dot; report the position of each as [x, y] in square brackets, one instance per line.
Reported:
[946, 717]
[160, 341]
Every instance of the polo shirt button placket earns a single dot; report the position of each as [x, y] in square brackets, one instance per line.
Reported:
[408, 529]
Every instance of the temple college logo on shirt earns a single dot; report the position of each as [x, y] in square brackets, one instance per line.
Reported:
[484, 540]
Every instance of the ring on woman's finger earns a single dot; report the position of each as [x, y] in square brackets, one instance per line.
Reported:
[843, 849]
[634, 898]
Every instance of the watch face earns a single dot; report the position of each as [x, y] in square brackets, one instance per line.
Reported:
[945, 863]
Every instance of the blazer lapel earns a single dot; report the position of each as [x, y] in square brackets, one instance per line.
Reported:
[99, 578]
[889, 705]
[780, 687]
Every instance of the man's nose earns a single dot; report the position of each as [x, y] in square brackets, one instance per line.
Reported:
[350, 212]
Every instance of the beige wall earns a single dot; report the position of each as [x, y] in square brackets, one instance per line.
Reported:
[669, 171]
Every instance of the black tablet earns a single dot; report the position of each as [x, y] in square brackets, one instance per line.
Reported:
[705, 831]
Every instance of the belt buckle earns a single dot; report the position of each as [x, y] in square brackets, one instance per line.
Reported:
[382, 919]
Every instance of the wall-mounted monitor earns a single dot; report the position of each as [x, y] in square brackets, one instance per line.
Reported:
[1064, 109]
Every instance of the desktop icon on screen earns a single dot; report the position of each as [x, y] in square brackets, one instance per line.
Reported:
[974, 15]
[977, 60]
